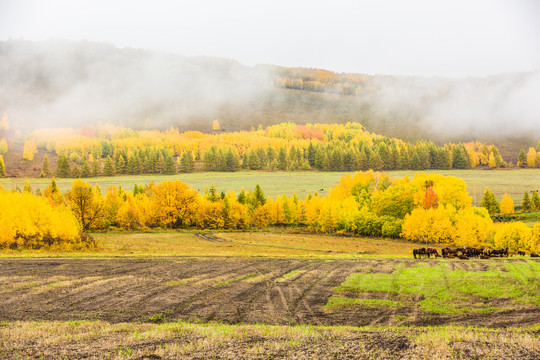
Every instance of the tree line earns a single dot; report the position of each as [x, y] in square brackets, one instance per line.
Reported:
[107, 150]
[427, 208]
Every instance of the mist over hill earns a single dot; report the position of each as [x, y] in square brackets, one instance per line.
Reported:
[59, 83]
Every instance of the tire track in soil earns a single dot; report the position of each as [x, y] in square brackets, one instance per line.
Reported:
[185, 307]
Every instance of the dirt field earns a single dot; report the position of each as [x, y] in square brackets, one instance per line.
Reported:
[227, 290]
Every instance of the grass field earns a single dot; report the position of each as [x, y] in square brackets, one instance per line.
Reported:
[513, 181]
[262, 244]
[445, 288]
[89, 339]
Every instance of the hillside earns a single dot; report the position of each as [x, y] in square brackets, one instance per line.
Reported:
[59, 83]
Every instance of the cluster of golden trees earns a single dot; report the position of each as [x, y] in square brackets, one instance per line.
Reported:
[286, 147]
[531, 158]
[427, 208]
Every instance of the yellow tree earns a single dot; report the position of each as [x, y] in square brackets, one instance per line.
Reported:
[507, 204]
[531, 158]
[86, 203]
[174, 203]
[30, 148]
[215, 125]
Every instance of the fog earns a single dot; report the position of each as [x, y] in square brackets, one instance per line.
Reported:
[60, 83]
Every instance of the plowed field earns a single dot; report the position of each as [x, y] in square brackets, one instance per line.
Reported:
[226, 290]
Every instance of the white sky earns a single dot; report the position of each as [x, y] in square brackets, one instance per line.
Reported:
[414, 37]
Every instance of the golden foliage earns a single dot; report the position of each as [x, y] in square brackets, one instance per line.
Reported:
[28, 221]
[30, 149]
[507, 204]
[515, 236]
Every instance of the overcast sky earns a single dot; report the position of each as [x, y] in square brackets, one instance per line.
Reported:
[414, 37]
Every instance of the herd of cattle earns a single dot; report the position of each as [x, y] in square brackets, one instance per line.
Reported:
[464, 253]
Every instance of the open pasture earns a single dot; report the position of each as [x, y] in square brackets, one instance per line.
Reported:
[261, 244]
[513, 181]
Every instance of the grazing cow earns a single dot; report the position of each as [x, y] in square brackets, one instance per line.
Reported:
[534, 255]
[321, 189]
[521, 253]
[431, 251]
[500, 253]
[449, 253]
[419, 252]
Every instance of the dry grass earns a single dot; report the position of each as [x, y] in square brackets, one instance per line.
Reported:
[97, 339]
[234, 244]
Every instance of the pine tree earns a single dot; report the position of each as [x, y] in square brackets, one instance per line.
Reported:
[535, 201]
[522, 159]
[311, 154]
[45, 168]
[96, 168]
[253, 161]
[490, 203]
[258, 196]
[85, 170]
[2, 167]
[62, 168]
[108, 168]
[186, 163]
[170, 167]
[526, 202]
[75, 172]
[242, 196]
[282, 159]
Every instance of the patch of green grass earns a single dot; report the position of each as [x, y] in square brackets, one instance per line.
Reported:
[338, 303]
[291, 274]
[448, 291]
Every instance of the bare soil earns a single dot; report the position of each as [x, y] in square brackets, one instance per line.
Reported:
[225, 290]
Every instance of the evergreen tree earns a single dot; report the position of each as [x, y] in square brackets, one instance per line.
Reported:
[242, 196]
[62, 168]
[270, 154]
[459, 160]
[45, 168]
[375, 163]
[186, 163]
[232, 162]
[109, 168]
[526, 203]
[282, 159]
[311, 154]
[96, 169]
[362, 162]
[2, 167]
[85, 170]
[75, 172]
[319, 158]
[170, 167]
[490, 203]
[535, 201]
[253, 161]
[258, 196]
[522, 159]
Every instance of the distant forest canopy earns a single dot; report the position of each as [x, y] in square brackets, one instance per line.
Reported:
[59, 83]
[109, 150]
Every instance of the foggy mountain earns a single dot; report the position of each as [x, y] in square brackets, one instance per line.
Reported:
[59, 83]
